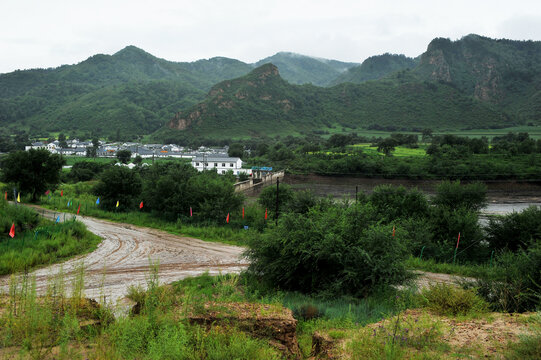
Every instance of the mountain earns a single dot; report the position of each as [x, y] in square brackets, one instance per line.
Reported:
[301, 69]
[130, 92]
[505, 73]
[376, 67]
[262, 103]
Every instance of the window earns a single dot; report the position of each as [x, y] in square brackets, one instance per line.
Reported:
[223, 171]
[196, 164]
[206, 164]
[215, 164]
[231, 165]
[223, 164]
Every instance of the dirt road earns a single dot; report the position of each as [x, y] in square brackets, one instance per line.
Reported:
[122, 259]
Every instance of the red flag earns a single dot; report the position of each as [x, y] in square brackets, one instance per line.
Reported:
[265, 214]
[191, 214]
[61, 192]
[393, 230]
[227, 219]
[458, 240]
[141, 205]
[12, 231]
[78, 209]
[243, 213]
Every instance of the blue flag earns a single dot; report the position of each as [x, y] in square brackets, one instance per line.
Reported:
[58, 219]
[98, 201]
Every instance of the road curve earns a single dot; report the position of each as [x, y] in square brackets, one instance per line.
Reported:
[123, 259]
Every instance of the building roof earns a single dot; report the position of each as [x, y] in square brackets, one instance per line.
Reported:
[215, 158]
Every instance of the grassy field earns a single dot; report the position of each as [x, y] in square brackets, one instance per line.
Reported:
[400, 151]
[38, 241]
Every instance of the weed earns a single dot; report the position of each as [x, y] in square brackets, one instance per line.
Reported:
[447, 299]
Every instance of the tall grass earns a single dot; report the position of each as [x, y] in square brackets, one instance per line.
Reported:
[38, 241]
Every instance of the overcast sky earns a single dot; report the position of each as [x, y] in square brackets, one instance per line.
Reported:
[49, 33]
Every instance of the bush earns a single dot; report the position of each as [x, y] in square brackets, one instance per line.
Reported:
[454, 195]
[447, 299]
[267, 198]
[446, 224]
[121, 184]
[333, 250]
[515, 231]
[393, 202]
[515, 284]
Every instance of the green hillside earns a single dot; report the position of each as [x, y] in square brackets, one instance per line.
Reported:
[376, 67]
[130, 92]
[505, 73]
[262, 103]
[301, 69]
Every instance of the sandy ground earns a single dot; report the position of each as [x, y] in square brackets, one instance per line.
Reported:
[123, 259]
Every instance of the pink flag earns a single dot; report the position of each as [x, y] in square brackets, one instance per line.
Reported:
[458, 240]
[191, 214]
[265, 214]
[78, 209]
[141, 205]
[61, 192]
[12, 231]
[243, 213]
[227, 219]
[47, 192]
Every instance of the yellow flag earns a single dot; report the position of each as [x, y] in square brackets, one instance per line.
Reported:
[18, 197]
[117, 203]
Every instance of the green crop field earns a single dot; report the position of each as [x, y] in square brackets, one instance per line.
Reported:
[400, 151]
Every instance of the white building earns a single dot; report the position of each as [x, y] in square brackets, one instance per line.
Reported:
[221, 164]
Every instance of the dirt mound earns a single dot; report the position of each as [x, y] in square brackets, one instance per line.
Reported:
[272, 322]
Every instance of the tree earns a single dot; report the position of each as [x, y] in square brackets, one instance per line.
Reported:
[235, 150]
[121, 184]
[138, 160]
[62, 141]
[426, 133]
[387, 146]
[32, 171]
[123, 156]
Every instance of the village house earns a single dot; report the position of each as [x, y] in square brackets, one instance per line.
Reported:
[222, 164]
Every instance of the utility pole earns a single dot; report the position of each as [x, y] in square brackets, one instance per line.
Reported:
[277, 195]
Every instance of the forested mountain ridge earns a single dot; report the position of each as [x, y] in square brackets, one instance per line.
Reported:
[130, 92]
[506, 73]
[262, 103]
[375, 68]
[300, 69]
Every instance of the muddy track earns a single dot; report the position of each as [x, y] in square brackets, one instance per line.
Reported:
[123, 259]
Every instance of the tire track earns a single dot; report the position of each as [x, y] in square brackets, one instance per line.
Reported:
[122, 259]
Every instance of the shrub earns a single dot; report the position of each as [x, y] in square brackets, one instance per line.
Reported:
[267, 198]
[393, 202]
[447, 299]
[515, 285]
[454, 195]
[515, 231]
[332, 249]
[121, 184]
